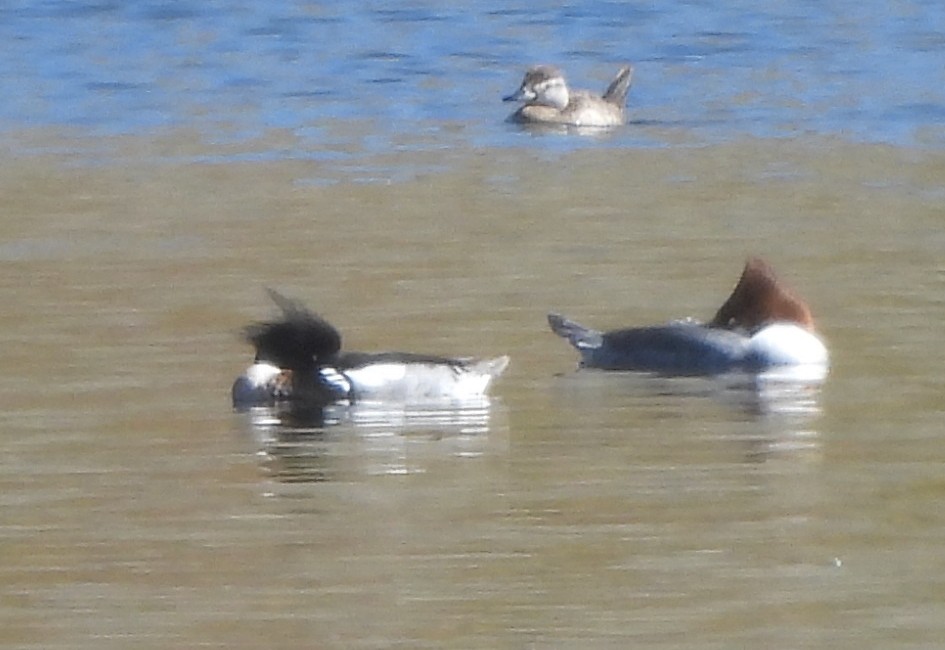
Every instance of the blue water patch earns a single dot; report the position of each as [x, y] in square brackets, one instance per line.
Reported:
[705, 72]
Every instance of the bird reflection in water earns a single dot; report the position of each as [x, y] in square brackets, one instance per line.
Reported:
[789, 390]
[310, 444]
[774, 412]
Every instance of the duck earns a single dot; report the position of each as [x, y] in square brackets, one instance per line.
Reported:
[763, 325]
[299, 359]
[549, 101]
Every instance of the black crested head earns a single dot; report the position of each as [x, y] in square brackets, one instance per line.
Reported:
[300, 340]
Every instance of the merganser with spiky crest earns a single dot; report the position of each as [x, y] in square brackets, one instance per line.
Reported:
[299, 359]
[762, 325]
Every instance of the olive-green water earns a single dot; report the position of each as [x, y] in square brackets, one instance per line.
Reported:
[573, 510]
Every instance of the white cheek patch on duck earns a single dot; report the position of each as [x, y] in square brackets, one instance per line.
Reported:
[553, 92]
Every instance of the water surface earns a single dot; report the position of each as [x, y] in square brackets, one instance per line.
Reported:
[572, 510]
[163, 163]
[332, 82]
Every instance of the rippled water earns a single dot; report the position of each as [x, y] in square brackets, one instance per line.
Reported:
[334, 81]
[165, 162]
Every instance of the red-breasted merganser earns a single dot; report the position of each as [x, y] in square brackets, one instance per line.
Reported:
[299, 359]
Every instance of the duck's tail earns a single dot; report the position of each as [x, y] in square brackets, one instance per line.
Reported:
[581, 337]
[616, 92]
[491, 367]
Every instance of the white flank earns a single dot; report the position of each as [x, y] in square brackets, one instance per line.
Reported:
[786, 344]
[423, 381]
[376, 377]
